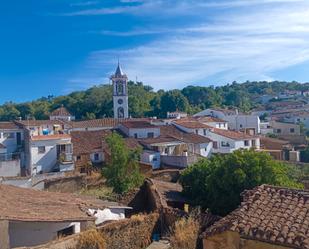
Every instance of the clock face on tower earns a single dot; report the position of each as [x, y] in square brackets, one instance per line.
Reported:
[120, 101]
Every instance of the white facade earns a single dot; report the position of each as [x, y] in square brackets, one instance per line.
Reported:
[11, 139]
[235, 121]
[205, 149]
[266, 128]
[64, 118]
[198, 131]
[224, 145]
[151, 157]
[120, 94]
[44, 154]
[36, 233]
[151, 132]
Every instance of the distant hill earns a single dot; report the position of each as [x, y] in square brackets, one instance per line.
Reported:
[96, 102]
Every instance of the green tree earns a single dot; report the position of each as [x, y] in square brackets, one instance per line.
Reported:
[122, 172]
[217, 183]
[173, 101]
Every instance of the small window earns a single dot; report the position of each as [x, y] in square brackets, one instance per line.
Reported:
[135, 135]
[205, 132]
[65, 232]
[41, 149]
[150, 134]
[96, 157]
[155, 159]
[225, 144]
[292, 130]
[78, 158]
[278, 130]
[240, 125]
[196, 131]
[9, 135]
[246, 143]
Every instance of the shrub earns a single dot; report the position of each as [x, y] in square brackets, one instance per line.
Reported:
[185, 233]
[90, 240]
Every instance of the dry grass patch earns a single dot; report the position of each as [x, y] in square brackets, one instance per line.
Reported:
[185, 233]
[91, 240]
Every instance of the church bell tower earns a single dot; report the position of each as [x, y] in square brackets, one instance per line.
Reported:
[120, 93]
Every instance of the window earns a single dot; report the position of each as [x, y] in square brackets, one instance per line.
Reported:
[196, 131]
[215, 145]
[65, 232]
[155, 159]
[278, 130]
[150, 134]
[205, 132]
[292, 130]
[8, 135]
[240, 125]
[135, 135]
[96, 157]
[246, 143]
[225, 144]
[41, 149]
[78, 158]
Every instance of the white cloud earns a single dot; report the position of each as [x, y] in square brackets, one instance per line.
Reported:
[237, 46]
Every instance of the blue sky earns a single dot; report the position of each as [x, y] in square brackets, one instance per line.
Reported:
[58, 46]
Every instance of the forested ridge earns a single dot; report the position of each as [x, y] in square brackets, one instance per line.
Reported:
[96, 102]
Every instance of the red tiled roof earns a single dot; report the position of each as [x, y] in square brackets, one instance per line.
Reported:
[8, 126]
[38, 122]
[271, 214]
[138, 124]
[61, 111]
[50, 137]
[210, 119]
[236, 135]
[93, 123]
[86, 142]
[191, 124]
[172, 131]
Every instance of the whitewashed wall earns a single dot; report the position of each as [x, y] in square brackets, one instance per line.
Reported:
[35, 233]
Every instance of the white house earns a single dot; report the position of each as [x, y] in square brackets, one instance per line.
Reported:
[139, 129]
[213, 122]
[37, 217]
[226, 141]
[11, 136]
[47, 152]
[61, 113]
[236, 121]
[191, 126]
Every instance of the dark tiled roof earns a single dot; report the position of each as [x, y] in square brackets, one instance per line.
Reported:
[232, 134]
[93, 123]
[61, 111]
[172, 131]
[270, 214]
[86, 142]
[191, 124]
[138, 124]
[8, 126]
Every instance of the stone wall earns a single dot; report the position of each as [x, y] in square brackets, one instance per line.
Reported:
[133, 233]
[232, 240]
[69, 184]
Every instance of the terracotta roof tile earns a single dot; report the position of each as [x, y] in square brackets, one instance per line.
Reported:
[232, 134]
[86, 142]
[8, 126]
[138, 124]
[270, 214]
[191, 124]
[61, 111]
